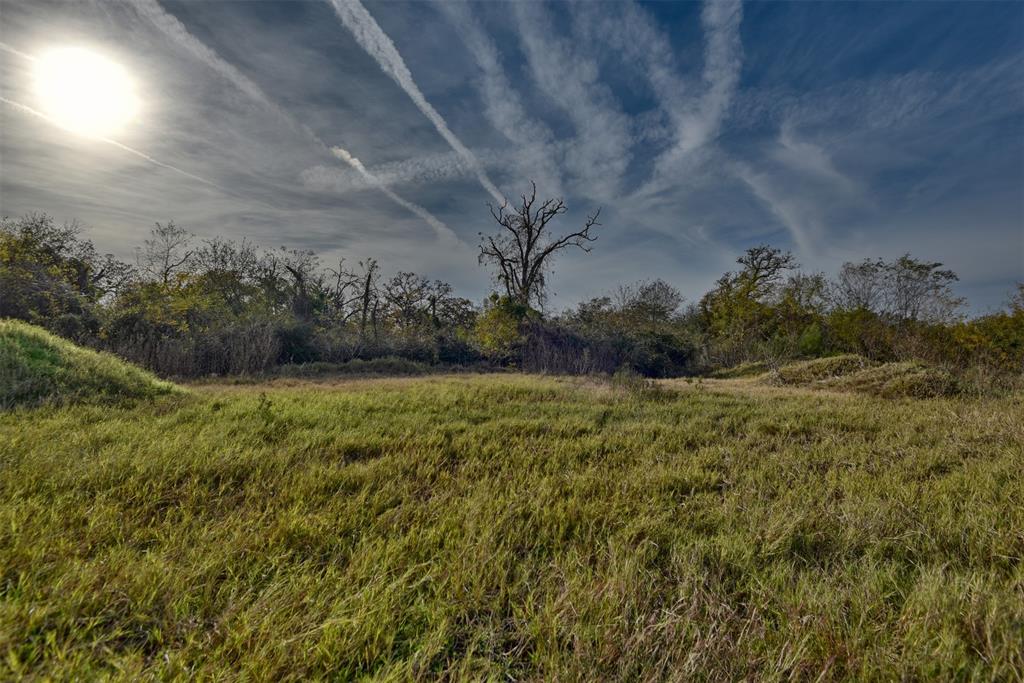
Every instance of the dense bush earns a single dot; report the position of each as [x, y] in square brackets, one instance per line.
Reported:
[225, 308]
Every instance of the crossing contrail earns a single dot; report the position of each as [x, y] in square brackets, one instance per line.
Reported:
[378, 45]
[176, 31]
[142, 155]
[442, 229]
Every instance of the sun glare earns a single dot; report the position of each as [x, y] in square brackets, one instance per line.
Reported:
[84, 92]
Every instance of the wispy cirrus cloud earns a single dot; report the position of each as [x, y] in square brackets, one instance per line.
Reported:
[601, 150]
[800, 218]
[723, 59]
[177, 32]
[16, 52]
[696, 116]
[443, 230]
[503, 104]
[810, 158]
[25, 109]
[829, 130]
[378, 45]
[429, 168]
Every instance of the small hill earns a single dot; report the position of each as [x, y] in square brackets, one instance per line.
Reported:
[37, 367]
[856, 373]
[810, 371]
[899, 380]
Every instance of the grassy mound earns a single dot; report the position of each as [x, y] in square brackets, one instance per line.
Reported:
[741, 371]
[810, 371]
[856, 373]
[37, 367]
[899, 380]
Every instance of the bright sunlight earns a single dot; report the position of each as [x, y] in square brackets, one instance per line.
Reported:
[84, 92]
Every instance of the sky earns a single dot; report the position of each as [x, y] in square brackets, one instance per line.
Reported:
[835, 130]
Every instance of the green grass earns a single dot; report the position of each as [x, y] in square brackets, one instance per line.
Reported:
[37, 367]
[357, 368]
[500, 527]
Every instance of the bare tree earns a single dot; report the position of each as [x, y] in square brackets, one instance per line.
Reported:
[303, 266]
[166, 253]
[763, 269]
[407, 297]
[521, 253]
[921, 291]
[905, 289]
[338, 292]
[860, 286]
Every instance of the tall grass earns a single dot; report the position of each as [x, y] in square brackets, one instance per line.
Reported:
[513, 527]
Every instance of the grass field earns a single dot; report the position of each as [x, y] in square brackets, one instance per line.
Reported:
[513, 527]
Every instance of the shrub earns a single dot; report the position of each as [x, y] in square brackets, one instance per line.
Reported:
[498, 330]
[636, 386]
[390, 365]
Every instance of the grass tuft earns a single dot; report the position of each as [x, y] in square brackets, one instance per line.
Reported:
[741, 371]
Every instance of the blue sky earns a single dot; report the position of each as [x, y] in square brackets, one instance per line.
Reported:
[837, 130]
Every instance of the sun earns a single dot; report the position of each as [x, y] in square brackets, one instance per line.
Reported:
[84, 92]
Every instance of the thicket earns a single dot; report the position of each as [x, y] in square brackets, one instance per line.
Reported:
[187, 307]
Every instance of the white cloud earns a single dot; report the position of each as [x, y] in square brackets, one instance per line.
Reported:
[378, 45]
[601, 150]
[175, 30]
[805, 156]
[503, 105]
[800, 219]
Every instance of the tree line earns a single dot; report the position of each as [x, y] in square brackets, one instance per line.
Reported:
[189, 307]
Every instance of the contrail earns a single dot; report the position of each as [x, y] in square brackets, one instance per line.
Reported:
[29, 110]
[15, 51]
[442, 229]
[177, 32]
[502, 104]
[378, 45]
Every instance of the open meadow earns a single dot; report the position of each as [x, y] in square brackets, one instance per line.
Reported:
[511, 341]
[513, 527]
